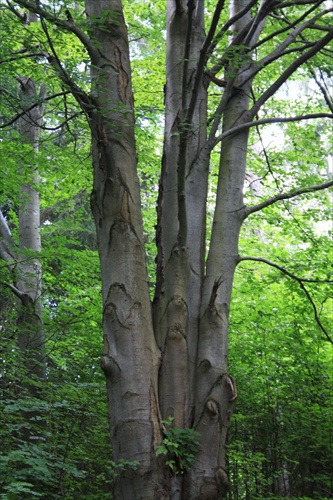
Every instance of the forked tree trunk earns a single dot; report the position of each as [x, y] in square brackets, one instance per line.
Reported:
[176, 365]
[169, 358]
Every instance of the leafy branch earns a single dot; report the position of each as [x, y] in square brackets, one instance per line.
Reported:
[301, 282]
[265, 121]
[30, 108]
[67, 25]
[281, 49]
[306, 56]
[286, 196]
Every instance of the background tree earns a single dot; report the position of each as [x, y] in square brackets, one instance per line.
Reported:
[24, 262]
[173, 362]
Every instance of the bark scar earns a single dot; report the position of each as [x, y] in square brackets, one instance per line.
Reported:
[232, 384]
[216, 286]
[122, 77]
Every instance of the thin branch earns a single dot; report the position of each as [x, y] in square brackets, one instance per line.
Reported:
[24, 297]
[285, 196]
[268, 163]
[207, 45]
[279, 55]
[22, 56]
[292, 3]
[63, 123]
[301, 282]
[211, 141]
[264, 121]
[320, 28]
[288, 27]
[327, 97]
[203, 58]
[289, 71]
[262, 13]
[25, 111]
[270, 170]
[216, 68]
[13, 262]
[190, 10]
[20, 16]
[82, 98]
[283, 270]
[280, 51]
[66, 25]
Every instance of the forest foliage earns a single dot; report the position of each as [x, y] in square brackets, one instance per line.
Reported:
[280, 342]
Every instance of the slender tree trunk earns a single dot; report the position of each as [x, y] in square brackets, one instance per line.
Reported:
[215, 388]
[28, 273]
[131, 356]
[25, 264]
[182, 214]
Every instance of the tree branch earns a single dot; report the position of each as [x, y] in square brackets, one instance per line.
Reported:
[289, 71]
[264, 121]
[292, 3]
[217, 67]
[22, 55]
[263, 11]
[66, 25]
[301, 282]
[24, 297]
[82, 98]
[280, 51]
[285, 196]
[288, 27]
[6, 241]
[25, 111]
[327, 97]
[203, 58]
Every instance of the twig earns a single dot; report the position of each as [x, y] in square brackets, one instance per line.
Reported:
[301, 282]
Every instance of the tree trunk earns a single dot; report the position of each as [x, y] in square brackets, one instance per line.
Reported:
[25, 265]
[181, 214]
[175, 375]
[131, 357]
[28, 273]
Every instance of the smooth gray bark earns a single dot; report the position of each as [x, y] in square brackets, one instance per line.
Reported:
[182, 214]
[131, 357]
[29, 270]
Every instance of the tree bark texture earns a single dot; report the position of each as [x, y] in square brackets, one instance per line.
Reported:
[174, 362]
[131, 356]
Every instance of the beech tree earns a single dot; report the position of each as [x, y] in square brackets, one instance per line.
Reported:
[23, 259]
[165, 361]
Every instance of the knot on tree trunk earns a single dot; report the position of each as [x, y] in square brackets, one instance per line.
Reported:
[209, 489]
[108, 365]
[212, 407]
[222, 478]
